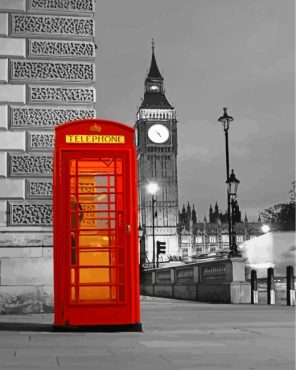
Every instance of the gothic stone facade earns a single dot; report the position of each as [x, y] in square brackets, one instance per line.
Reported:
[204, 237]
[156, 136]
[47, 73]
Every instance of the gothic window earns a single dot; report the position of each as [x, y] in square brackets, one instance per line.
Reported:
[198, 239]
[239, 239]
[212, 239]
[225, 239]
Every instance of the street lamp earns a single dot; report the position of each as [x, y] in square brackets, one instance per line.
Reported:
[232, 184]
[152, 188]
[265, 228]
[225, 120]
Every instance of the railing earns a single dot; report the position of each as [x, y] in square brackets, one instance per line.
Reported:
[215, 272]
[206, 281]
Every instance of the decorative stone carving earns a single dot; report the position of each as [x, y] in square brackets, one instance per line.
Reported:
[30, 165]
[36, 188]
[67, 5]
[51, 71]
[52, 25]
[61, 94]
[84, 49]
[40, 141]
[31, 117]
[30, 214]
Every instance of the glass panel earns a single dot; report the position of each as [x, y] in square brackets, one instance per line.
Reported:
[73, 256]
[91, 258]
[98, 293]
[72, 275]
[96, 166]
[95, 239]
[73, 240]
[96, 275]
[73, 294]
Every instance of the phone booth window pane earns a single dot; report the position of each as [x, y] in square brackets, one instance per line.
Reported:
[73, 294]
[90, 258]
[96, 275]
[72, 275]
[95, 293]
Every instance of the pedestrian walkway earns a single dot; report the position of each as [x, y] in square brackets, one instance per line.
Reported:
[176, 335]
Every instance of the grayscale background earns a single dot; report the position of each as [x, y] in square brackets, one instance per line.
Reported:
[212, 53]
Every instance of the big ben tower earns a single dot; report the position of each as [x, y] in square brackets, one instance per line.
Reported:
[156, 137]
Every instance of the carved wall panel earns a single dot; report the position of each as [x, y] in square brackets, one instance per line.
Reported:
[52, 25]
[61, 94]
[38, 188]
[31, 117]
[30, 214]
[81, 49]
[40, 141]
[66, 5]
[24, 165]
[51, 71]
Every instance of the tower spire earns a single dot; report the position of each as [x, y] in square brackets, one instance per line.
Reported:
[154, 73]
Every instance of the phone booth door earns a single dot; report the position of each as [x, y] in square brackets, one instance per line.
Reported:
[96, 257]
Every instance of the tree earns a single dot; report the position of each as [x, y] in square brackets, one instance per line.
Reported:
[292, 192]
[282, 216]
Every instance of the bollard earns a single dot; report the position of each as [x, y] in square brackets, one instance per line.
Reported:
[270, 286]
[254, 287]
[290, 286]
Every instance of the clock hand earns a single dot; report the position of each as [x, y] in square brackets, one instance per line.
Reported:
[158, 133]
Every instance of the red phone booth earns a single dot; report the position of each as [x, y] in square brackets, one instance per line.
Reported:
[96, 273]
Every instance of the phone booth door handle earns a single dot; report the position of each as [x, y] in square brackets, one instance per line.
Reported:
[128, 228]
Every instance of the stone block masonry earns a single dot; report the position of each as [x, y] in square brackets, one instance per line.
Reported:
[47, 75]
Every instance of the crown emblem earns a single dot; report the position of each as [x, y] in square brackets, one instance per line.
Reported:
[95, 127]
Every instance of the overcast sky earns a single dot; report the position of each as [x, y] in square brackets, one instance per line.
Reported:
[212, 53]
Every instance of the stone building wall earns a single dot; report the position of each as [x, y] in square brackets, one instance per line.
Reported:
[47, 73]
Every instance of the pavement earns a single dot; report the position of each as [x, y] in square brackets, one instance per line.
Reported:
[176, 335]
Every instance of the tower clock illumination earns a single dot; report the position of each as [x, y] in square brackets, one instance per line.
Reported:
[158, 134]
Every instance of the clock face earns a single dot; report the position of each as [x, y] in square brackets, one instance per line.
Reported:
[158, 133]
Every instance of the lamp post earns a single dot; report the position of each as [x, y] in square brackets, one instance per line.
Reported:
[232, 184]
[225, 120]
[152, 189]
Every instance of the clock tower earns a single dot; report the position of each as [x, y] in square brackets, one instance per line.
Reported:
[156, 139]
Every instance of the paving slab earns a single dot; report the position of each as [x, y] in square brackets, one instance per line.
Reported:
[176, 335]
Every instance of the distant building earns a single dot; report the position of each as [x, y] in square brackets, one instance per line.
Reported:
[198, 238]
